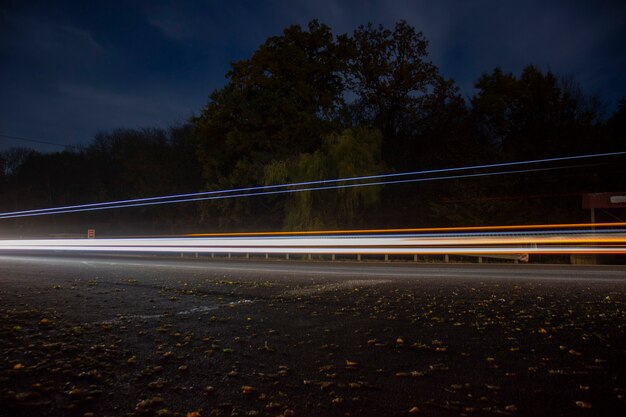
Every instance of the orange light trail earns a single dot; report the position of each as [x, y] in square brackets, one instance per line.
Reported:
[418, 230]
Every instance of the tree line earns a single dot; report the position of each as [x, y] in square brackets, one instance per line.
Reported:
[310, 105]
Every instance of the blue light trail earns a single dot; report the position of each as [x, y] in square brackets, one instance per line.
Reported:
[172, 200]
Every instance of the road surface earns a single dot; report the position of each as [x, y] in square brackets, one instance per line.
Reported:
[155, 336]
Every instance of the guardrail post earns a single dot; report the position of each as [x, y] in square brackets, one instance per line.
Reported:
[480, 259]
[267, 256]
[247, 256]
[386, 258]
[415, 258]
[332, 257]
[287, 256]
[358, 257]
[228, 255]
[309, 256]
[446, 258]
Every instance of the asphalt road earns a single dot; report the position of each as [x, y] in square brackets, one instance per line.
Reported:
[155, 336]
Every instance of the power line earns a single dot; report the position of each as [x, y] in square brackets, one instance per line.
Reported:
[35, 141]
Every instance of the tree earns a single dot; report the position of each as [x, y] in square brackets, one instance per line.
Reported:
[351, 153]
[535, 115]
[397, 89]
[277, 104]
[616, 126]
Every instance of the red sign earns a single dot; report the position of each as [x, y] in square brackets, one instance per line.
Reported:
[91, 233]
[604, 200]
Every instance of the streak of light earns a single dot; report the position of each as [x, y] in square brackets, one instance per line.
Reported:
[425, 230]
[614, 250]
[584, 242]
[287, 191]
[132, 202]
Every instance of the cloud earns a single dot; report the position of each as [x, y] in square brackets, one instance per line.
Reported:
[41, 40]
[213, 23]
[70, 72]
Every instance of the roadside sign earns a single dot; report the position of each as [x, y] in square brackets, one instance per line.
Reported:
[91, 233]
[604, 200]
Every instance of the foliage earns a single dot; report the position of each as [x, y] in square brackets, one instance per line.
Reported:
[349, 154]
[397, 90]
[277, 104]
[121, 164]
[534, 115]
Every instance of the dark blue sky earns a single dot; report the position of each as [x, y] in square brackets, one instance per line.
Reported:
[69, 69]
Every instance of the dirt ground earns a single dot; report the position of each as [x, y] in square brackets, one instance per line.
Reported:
[142, 342]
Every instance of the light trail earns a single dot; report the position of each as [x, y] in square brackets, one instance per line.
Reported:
[474, 244]
[438, 230]
[186, 197]
[286, 191]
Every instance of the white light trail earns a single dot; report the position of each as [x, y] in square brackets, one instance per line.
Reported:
[474, 244]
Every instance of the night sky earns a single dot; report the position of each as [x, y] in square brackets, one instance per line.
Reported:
[69, 69]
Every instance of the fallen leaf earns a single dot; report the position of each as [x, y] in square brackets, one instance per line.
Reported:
[247, 389]
[326, 384]
[272, 405]
[583, 404]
